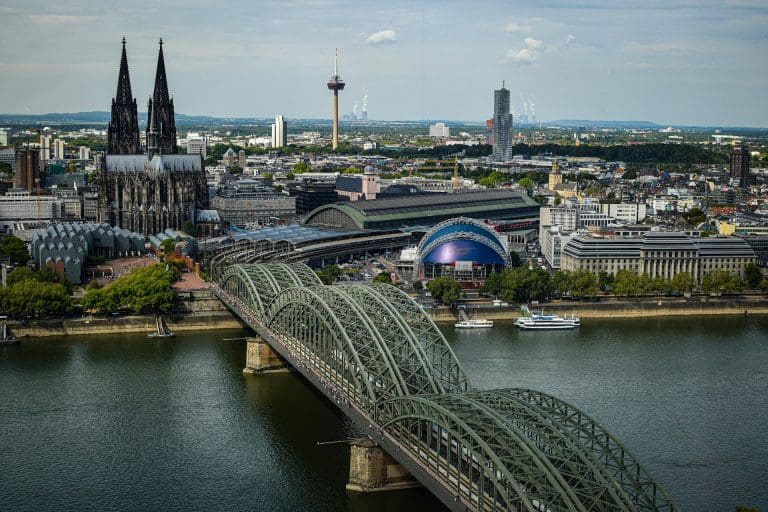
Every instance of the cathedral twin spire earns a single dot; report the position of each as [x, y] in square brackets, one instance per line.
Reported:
[123, 131]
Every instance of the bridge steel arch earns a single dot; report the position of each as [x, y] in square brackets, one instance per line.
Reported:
[498, 451]
[374, 347]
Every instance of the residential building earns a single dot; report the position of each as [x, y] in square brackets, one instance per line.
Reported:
[45, 147]
[502, 125]
[627, 213]
[739, 165]
[84, 153]
[5, 136]
[279, 132]
[58, 149]
[439, 130]
[8, 156]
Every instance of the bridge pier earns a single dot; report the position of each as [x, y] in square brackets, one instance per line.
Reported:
[371, 469]
[261, 358]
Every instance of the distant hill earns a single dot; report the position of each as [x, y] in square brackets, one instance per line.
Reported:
[97, 117]
[639, 125]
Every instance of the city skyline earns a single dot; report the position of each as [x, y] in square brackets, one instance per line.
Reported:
[671, 63]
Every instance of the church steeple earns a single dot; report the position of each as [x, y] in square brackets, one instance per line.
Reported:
[123, 130]
[161, 122]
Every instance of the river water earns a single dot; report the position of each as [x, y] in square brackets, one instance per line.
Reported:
[125, 423]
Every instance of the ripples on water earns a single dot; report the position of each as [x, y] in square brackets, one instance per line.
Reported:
[126, 423]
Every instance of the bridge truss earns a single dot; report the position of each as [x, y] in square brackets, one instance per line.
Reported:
[389, 365]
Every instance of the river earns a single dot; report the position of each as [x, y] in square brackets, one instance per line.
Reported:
[125, 423]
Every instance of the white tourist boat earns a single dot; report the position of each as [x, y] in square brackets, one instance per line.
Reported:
[538, 320]
[473, 324]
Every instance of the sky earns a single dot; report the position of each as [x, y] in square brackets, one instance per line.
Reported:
[675, 62]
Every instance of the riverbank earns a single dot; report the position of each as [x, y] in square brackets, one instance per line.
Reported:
[200, 321]
[621, 308]
[195, 310]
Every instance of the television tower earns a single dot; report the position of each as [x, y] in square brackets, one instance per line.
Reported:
[336, 84]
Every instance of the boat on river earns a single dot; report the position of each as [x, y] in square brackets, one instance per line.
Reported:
[161, 330]
[537, 320]
[476, 323]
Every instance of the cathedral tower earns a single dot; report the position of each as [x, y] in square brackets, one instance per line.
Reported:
[161, 120]
[123, 130]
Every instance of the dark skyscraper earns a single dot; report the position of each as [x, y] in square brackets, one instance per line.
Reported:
[502, 125]
[161, 120]
[123, 130]
[740, 165]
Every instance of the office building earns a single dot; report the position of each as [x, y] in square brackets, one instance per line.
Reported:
[502, 125]
[311, 193]
[439, 130]
[5, 136]
[84, 153]
[250, 203]
[197, 147]
[740, 166]
[279, 132]
[658, 254]
[8, 156]
[21, 205]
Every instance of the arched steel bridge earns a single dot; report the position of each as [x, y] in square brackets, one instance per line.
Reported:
[380, 358]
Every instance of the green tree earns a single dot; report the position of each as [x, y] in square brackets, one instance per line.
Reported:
[268, 176]
[351, 170]
[145, 290]
[189, 228]
[721, 281]
[526, 183]
[563, 282]
[418, 286]
[492, 284]
[604, 280]
[168, 246]
[31, 297]
[514, 260]
[301, 168]
[384, 277]
[629, 174]
[683, 283]
[522, 284]
[695, 216]
[444, 289]
[585, 284]
[753, 275]
[13, 248]
[329, 274]
[626, 283]
[764, 286]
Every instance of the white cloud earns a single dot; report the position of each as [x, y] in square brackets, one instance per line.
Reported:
[532, 43]
[570, 39]
[522, 56]
[513, 27]
[382, 37]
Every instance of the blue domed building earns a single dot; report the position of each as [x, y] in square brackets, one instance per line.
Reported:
[466, 249]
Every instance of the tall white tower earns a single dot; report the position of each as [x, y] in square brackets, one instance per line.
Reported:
[279, 132]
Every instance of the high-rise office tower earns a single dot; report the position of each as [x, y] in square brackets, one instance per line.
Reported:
[740, 165]
[336, 84]
[279, 132]
[161, 120]
[123, 130]
[502, 125]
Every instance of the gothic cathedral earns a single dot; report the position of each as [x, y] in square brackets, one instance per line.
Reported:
[153, 191]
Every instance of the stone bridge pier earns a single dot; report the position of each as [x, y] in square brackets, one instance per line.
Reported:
[372, 469]
[261, 358]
